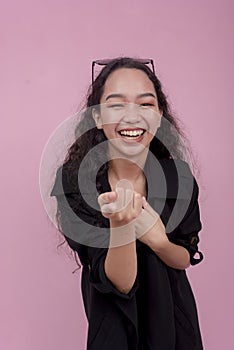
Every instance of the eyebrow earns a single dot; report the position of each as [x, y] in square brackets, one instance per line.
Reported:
[146, 94]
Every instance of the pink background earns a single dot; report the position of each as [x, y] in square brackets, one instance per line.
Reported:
[46, 53]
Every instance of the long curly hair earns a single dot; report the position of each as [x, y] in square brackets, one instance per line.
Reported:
[170, 140]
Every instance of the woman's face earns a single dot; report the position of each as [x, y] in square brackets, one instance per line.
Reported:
[129, 113]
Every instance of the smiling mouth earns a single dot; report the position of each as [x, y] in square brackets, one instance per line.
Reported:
[131, 134]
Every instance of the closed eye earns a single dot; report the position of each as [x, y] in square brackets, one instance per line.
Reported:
[116, 105]
[147, 104]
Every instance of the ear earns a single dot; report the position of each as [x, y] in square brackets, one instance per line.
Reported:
[97, 118]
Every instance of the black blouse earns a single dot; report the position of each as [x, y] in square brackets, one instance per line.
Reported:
[160, 310]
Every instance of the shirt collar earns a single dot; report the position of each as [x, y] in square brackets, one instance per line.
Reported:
[160, 175]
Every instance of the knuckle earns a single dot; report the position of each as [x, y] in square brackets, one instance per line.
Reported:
[128, 217]
[119, 216]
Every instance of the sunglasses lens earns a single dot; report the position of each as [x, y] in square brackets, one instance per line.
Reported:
[144, 61]
[103, 62]
[107, 61]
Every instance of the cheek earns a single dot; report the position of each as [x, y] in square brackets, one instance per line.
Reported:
[154, 123]
[109, 129]
[150, 137]
[112, 115]
[109, 121]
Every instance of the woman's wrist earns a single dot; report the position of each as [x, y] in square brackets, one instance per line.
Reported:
[121, 235]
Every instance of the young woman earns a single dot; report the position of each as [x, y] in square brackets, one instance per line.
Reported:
[128, 205]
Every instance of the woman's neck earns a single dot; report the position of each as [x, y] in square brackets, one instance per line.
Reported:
[123, 169]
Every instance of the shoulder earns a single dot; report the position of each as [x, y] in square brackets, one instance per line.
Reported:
[180, 180]
[176, 165]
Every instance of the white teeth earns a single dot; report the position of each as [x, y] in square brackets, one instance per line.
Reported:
[131, 132]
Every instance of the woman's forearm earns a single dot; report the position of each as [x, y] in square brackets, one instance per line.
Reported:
[121, 261]
[151, 231]
[172, 254]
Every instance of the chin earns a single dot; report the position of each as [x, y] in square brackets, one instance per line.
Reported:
[128, 149]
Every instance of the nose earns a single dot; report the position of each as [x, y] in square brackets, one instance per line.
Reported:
[131, 113]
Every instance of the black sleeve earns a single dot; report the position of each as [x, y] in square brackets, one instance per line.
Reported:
[187, 231]
[78, 224]
[99, 278]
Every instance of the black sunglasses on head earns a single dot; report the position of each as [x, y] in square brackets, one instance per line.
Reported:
[104, 62]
